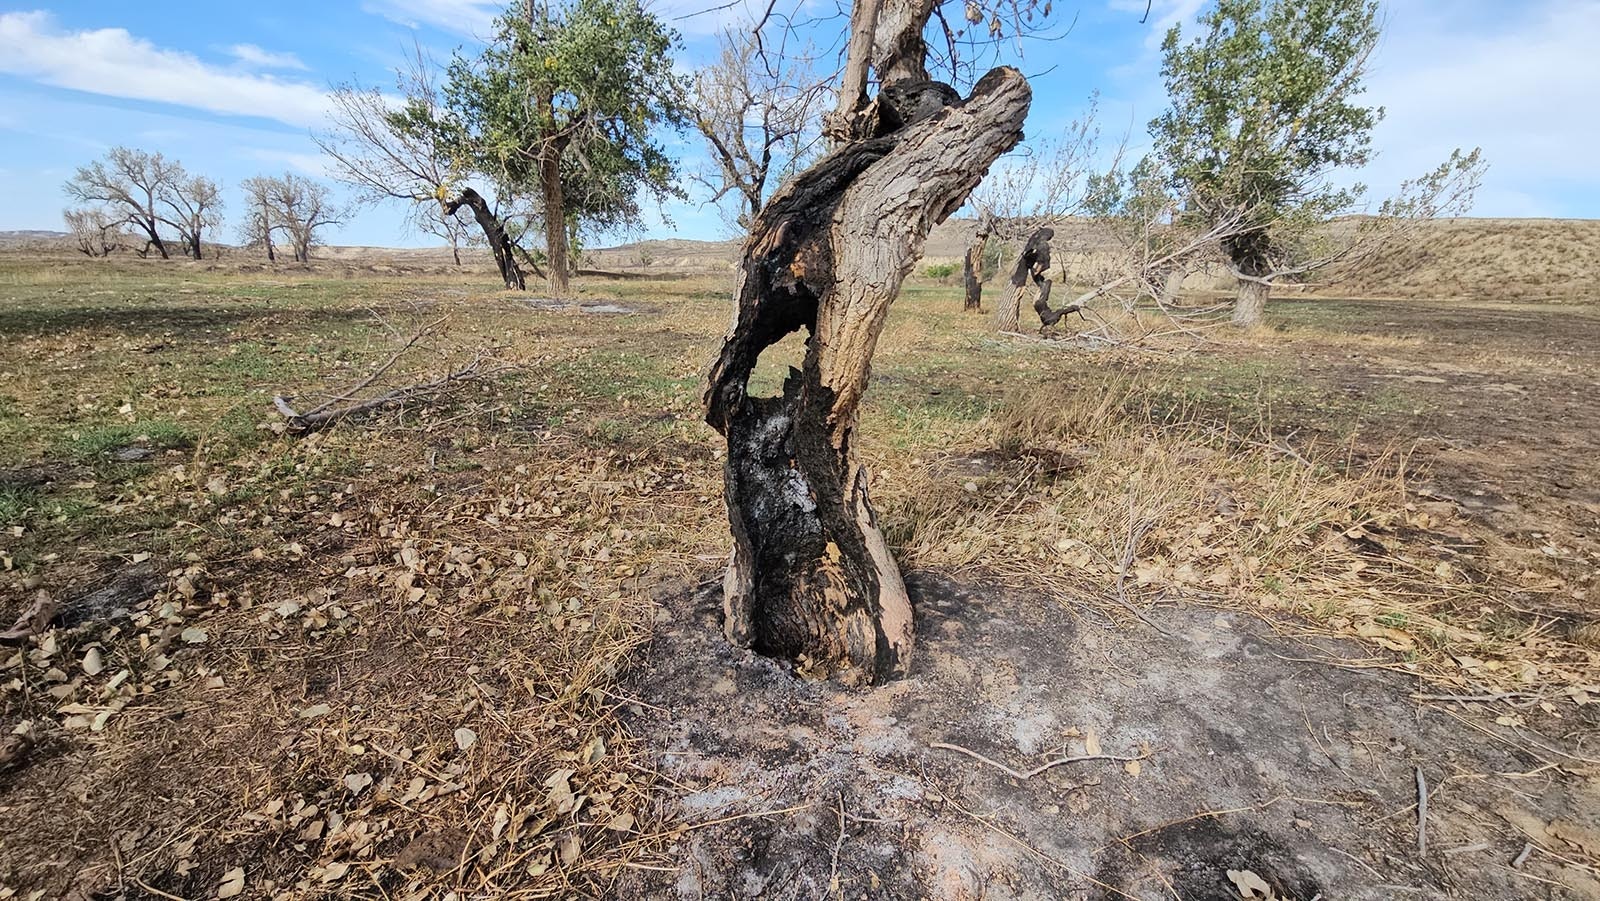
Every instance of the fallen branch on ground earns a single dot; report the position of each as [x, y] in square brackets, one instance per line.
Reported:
[1029, 774]
[327, 414]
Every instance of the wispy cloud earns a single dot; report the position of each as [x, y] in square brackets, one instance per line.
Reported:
[114, 63]
[257, 58]
[472, 18]
[1163, 14]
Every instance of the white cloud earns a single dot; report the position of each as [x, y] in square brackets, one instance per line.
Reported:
[257, 58]
[1521, 86]
[114, 63]
[473, 18]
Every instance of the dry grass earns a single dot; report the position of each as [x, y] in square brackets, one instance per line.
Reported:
[1116, 509]
[487, 562]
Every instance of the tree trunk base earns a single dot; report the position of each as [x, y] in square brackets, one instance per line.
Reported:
[1251, 307]
[811, 579]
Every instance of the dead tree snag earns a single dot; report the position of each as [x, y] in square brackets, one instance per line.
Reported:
[811, 579]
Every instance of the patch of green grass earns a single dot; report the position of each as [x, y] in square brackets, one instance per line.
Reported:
[94, 444]
[17, 503]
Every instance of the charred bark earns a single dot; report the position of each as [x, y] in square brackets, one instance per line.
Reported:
[494, 234]
[811, 578]
[150, 227]
[972, 266]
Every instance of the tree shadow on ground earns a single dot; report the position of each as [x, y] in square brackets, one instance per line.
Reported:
[163, 318]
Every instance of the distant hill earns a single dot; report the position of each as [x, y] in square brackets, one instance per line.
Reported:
[1515, 259]
[28, 237]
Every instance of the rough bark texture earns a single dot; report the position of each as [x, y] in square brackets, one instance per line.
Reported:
[972, 268]
[1251, 306]
[1172, 287]
[1008, 312]
[811, 578]
[555, 218]
[494, 234]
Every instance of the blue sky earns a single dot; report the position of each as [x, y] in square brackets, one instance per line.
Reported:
[232, 89]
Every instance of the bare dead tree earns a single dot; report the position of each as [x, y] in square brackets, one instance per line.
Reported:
[972, 273]
[96, 232]
[193, 206]
[257, 227]
[432, 220]
[131, 184]
[811, 578]
[299, 207]
[1041, 185]
[759, 112]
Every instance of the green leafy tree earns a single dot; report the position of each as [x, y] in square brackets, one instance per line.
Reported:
[412, 148]
[1264, 115]
[563, 105]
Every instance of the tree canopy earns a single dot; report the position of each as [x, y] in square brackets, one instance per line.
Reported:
[1264, 124]
[1264, 106]
[565, 102]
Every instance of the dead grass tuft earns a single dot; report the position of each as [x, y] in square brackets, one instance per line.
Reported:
[1165, 508]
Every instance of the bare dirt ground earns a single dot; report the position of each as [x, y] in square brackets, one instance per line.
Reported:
[469, 648]
[1499, 403]
[1240, 753]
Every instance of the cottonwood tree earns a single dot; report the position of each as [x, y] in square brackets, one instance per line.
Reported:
[296, 206]
[759, 110]
[256, 229]
[563, 105]
[131, 184]
[96, 232]
[1263, 118]
[811, 578]
[413, 149]
[193, 207]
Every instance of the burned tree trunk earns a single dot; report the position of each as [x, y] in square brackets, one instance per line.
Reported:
[972, 266]
[494, 234]
[811, 578]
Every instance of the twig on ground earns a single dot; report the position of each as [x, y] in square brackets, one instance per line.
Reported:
[833, 867]
[1522, 856]
[1029, 774]
[388, 364]
[742, 816]
[154, 891]
[1137, 528]
[1422, 814]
